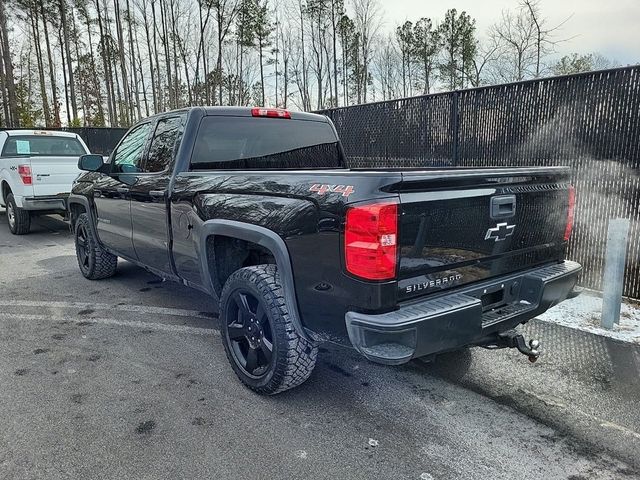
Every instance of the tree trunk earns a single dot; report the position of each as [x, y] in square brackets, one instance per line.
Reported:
[83, 93]
[219, 60]
[54, 92]
[64, 77]
[105, 64]
[5, 103]
[94, 71]
[128, 101]
[306, 102]
[160, 106]
[335, 55]
[285, 78]
[144, 87]
[154, 92]
[176, 84]
[8, 70]
[67, 49]
[276, 64]
[260, 48]
[43, 88]
[136, 97]
[165, 42]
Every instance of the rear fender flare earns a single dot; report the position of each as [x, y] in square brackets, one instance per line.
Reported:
[80, 200]
[265, 238]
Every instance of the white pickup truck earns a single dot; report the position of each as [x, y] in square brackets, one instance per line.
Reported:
[37, 168]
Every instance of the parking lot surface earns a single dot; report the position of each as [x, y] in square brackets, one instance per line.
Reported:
[127, 378]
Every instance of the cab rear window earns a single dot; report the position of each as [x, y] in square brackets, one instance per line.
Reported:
[42, 146]
[240, 143]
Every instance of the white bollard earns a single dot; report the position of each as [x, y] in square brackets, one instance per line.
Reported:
[615, 260]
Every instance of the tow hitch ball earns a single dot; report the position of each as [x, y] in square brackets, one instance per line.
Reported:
[512, 339]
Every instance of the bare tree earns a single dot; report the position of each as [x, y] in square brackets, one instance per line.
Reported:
[367, 19]
[524, 39]
[545, 40]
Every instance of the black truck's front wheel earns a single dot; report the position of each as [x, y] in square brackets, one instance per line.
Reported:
[94, 261]
[260, 340]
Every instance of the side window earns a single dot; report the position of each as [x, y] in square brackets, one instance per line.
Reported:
[128, 156]
[164, 144]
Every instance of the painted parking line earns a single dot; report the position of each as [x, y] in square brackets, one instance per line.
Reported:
[112, 322]
[106, 306]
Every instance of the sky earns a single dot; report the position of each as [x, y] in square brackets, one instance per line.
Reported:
[608, 27]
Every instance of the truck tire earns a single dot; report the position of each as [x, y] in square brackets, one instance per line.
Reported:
[19, 219]
[261, 342]
[94, 261]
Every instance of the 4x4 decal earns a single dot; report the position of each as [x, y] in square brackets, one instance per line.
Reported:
[321, 189]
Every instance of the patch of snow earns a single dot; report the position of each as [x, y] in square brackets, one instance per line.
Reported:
[584, 313]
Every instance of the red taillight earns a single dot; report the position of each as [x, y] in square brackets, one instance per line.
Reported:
[270, 112]
[570, 213]
[370, 239]
[25, 174]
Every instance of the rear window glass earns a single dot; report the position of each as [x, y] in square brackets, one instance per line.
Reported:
[42, 146]
[264, 143]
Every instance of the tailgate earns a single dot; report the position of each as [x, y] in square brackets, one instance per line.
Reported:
[461, 226]
[53, 175]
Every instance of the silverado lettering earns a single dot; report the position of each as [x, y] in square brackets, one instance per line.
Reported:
[433, 283]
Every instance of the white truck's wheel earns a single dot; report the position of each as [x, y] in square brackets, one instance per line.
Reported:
[18, 218]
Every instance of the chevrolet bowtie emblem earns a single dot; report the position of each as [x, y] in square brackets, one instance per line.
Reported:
[500, 232]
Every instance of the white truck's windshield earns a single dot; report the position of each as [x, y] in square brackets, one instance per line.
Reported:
[40, 145]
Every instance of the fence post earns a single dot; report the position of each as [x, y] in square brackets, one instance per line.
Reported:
[454, 126]
[615, 260]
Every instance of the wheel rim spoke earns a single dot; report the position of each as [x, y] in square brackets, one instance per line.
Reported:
[236, 331]
[252, 360]
[83, 246]
[266, 347]
[243, 304]
[260, 314]
[10, 214]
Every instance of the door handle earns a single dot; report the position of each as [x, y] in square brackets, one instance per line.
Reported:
[503, 207]
[122, 190]
[157, 193]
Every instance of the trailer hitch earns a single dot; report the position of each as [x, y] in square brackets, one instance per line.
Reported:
[513, 339]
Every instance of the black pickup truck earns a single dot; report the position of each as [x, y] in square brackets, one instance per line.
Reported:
[256, 208]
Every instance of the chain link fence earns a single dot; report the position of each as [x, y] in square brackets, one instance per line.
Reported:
[100, 140]
[589, 121]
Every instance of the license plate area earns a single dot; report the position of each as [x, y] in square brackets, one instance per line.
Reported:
[492, 299]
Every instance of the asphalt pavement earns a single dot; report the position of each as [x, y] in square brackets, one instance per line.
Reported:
[127, 378]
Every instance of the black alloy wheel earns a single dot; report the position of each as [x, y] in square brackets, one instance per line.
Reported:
[94, 261]
[83, 248]
[263, 344]
[249, 334]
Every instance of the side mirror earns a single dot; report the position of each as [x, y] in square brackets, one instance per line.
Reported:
[90, 162]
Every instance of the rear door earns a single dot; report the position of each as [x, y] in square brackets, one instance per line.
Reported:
[52, 158]
[149, 207]
[112, 191]
[457, 228]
